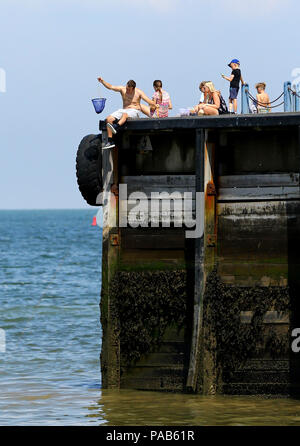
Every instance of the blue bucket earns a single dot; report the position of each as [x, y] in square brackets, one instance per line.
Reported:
[99, 104]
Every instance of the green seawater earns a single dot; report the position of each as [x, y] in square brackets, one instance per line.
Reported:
[50, 279]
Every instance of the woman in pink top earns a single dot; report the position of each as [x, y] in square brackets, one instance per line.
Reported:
[160, 97]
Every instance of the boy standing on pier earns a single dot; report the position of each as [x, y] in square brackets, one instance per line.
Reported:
[234, 79]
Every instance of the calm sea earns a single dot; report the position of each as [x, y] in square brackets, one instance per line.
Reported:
[50, 279]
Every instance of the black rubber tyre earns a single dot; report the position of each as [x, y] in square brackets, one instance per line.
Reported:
[89, 168]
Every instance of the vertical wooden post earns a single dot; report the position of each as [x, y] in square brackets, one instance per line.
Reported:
[110, 354]
[210, 222]
[209, 370]
[203, 361]
[199, 272]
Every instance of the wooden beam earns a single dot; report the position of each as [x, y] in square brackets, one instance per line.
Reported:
[110, 350]
[259, 180]
[255, 121]
[199, 273]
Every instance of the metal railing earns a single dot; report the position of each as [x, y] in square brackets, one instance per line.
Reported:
[291, 100]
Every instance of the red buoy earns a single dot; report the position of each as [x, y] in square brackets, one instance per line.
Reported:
[94, 221]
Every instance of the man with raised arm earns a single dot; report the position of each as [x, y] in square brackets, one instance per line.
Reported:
[131, 106]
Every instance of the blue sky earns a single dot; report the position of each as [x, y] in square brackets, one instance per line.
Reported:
[53, 50]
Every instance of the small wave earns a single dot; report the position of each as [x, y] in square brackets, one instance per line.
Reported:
[89, 385]
[36, 397]
[16, 283]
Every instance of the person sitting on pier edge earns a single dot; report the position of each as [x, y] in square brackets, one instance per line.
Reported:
[201, 88]
[262, 98]
[213, 102]
[131, 106]
[160, 97]
[234, 79]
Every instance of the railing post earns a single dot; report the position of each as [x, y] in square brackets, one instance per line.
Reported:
[297, 98]
[245, 99]
[287, 97]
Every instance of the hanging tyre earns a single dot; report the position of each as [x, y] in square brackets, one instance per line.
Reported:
[89, 168]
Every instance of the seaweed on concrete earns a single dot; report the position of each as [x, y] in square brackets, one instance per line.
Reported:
[144, 304]
[232, 341]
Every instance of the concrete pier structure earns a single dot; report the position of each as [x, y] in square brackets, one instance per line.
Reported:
[212, 314]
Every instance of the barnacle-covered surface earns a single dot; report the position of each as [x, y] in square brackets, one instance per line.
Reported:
[152, 313]
[247, 331]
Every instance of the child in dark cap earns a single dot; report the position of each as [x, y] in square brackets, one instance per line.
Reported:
[234, 79]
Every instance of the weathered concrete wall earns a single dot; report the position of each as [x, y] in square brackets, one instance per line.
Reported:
[152, 310]
[156, 153]
[251, 297]
[250, 267]
[246, 329]
[148, 280]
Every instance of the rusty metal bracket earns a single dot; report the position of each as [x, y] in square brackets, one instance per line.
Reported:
[210, 188]
[114, 239]
[211, 240]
